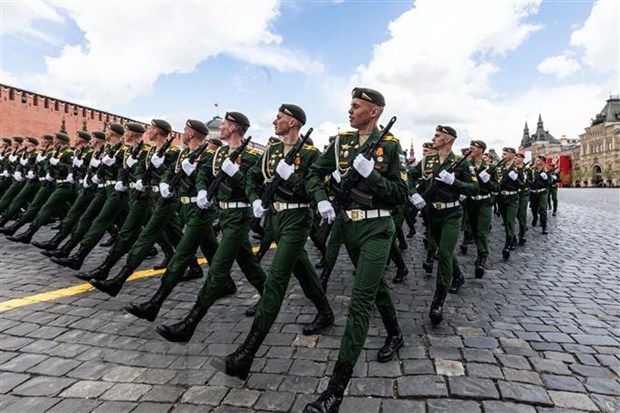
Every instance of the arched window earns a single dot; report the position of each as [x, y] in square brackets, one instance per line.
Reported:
[35, 100]
[11, 94]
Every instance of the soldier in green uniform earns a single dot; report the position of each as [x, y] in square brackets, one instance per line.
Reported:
[198, 222]
[66, 179]
[524, 195]
[539, 192]
[368, 232]
[115, 201]
[479, 207]
[420, 183]
[445, 212]
[291, 223]
[5, 181]
[10, 167]
[552, 199]
[234, 215]
[508, 198]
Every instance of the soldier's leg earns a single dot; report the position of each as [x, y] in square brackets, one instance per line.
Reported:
[23, 197]
[267, 238]
[445, 230]
[37, 203]
[77, 209]
[114, 206]
[137, 215]
[542, 211]
[10, 195]
[534, 201]
[87, 218]
[56, 201]
[554, 198]
[335, 240]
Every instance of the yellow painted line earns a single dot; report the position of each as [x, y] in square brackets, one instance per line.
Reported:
[79, 289]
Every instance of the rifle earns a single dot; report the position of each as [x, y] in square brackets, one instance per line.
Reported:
[146, 176]
[218, 182]
[347, 188]
[178, 176]
[435, 184]
[127, 170]
[276, 182]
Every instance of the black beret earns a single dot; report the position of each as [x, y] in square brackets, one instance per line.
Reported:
[116, 128]
[197, 125]
[83, 135]
[7, 140]
[32, 140]
[510, 150]
[99, 135]
[162, 124]
[551, 165]
[18, 139]
[542, 158]
[521, 155]
[135, 127]
[478, 144]
[428, 145]
[274, 139]
[237, 117]
[48, 137]
[369, 95]
[63, 137]
[215, 141]
[446, 129]
[294, 111]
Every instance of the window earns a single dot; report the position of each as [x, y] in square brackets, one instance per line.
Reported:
[56, 106]
[100, 117]
[46, 103]
[11, 94]
[75, 111]
[35, 100]
[66, 108]
[84, 112]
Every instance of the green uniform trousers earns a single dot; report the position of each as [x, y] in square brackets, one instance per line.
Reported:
[22, 199]
[78, 208]
[538, 204]
[234, 246]
[268, 238]
[508, 207]
[552, 198]
[87, 218]
[115, 204]
[43, 194]
[479, 215]
[445, 226]
[137, 215]
[524, 198]
[291, 229]
[368, 244]
[431, 244]
[198, 233]
[10, 195]
[335, 240]
[5, 183]
[56, 205]
[164, 226]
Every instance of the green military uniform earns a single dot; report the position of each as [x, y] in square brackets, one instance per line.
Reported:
[5, 176]
[524, 199]
[552, 196]
[419, 176]
[30, 185]
[538, 197]
[508, 202]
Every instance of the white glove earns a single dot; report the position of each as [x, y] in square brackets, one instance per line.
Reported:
[85, 183]
[6, 173]
[554, 177]
[513, 175]
[40, 158]
[23, 161]
[327, 211]
[484, 176]
[164, 190]
[363, 166]
[139, 186]
[108, 161]
[18, 176]
[131, 161]
[188, 167]
[31, 175]
[77, 162]
[157, 161]
[543, 175]
[2, 157]
[70, 179]
[446, 177]
[48, 177]
[95, 180]
[95, 163]
[118, 186]
[257, 206]
[285, 170]
[54, 161]
[462, 198]
[202, 200]
[337, 176]
[417, 201]
[12, 158]
[229, 168]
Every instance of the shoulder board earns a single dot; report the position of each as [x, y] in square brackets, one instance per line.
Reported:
[210, 151]
[311, 148]
[347, 133]
[124, 148]
[273, 143]
[146, 148]
[173, 149]
[391, 138]
[69, 151]
[252, 151]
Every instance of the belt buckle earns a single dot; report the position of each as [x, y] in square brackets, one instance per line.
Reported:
[222, 205]
[356, 214]
[185, 200]
[277, 206]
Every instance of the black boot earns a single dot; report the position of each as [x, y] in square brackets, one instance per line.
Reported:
[113, 286]
[411, 232]
[457, 280]
[3, 220]
[325, 277]
[251, 311]
[194, 271]
[51, 244]
[150, 309]
[262, 250]
[61, 252]
[506, 250]
[393, 342]
[513, 243]
[428, 264]
[481, 266]
[183, 331]
[437, 305]
[164, 263]
[152, 253]
[73, 261]
[329, 401]
[323, 319]
[24, 237]
[11, 229]
[100, 273]
[522, 239]
[109, 242]
[238, 363]
[321, 264]
[534, 221]
[401, 274]
[544, 229]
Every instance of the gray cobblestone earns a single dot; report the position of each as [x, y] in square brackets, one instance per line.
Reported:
[450, 405]
[572, 400]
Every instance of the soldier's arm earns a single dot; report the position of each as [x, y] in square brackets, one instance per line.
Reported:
[238, 179]
[297, 179]
[322, 167]
[465, 180]
[204, 172]
[392, 185]
[414, 174]
[254, 180]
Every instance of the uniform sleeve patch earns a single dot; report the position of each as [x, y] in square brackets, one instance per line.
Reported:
[403, 160]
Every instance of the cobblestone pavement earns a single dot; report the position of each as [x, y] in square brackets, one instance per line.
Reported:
[539, 333]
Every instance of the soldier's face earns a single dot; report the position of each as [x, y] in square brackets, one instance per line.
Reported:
[441, 139]
[226, 129]
[476, 151]
[539, 163]
[282, 124]
[361, 113]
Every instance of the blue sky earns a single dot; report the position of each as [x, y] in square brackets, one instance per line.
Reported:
[483, 66]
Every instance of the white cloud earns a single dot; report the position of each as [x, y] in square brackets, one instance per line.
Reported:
[600, 37]
[561, 66]
[128, 46]
[21, 19]
[7, 78]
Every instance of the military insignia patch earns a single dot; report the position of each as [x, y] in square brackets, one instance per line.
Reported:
[403, 160]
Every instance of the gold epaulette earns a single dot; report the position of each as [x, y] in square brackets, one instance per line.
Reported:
[391, 138]
[252, 151]
[310, 148]
[173, 149]
[347, 133]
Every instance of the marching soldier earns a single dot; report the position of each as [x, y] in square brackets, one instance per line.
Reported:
[554, 178]
[5, 182]
[524, 195]
[508, 198]
[420, 183]
[539, 193]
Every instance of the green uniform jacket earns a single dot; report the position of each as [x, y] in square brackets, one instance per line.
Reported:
[127, 174]
[170, 159]
[465, 182]
[505, 182]
[187, 186]
[387, 183]
[491, 186]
